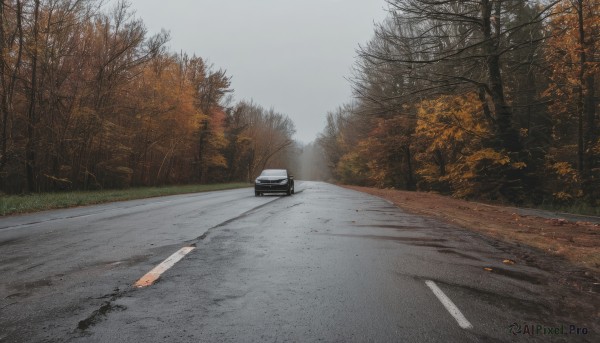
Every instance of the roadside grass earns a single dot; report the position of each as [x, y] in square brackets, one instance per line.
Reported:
[14, 204]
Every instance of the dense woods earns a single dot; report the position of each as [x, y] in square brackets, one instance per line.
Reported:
[492, 99]
[89, 100]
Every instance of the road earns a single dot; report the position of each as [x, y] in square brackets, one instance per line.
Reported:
[326, 264]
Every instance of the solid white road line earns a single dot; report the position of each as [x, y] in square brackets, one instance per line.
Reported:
[449, 305]
[156, 272]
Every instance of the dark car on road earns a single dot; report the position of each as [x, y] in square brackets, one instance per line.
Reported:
[274, 181]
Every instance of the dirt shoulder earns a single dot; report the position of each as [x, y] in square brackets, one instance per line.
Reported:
[577, 241]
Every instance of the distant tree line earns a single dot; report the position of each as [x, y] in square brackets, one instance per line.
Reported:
[89, 100]
[492, 99]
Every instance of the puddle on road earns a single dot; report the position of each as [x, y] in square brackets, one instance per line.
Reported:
[390, 238]
[98, 315]
[134, 260]
[12, 241]
[14, 260]
[395, 227]
[450, 251]
[383, 210]
[528, 277]
[530, 308]
[32, 285]
[429, 245]
[17, 295]
[101, 265]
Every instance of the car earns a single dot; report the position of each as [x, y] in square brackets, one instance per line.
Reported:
[274, 181]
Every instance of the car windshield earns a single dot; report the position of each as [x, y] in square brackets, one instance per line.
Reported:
[274, 172]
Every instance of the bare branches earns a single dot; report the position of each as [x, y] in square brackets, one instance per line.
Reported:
[477, 92]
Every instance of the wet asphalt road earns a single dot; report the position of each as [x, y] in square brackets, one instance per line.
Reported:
[327, 264]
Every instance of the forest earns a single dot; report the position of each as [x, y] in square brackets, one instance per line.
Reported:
[90, 100]
[479, 99]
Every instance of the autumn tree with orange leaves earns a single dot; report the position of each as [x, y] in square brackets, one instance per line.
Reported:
[89, 100]
[494, 99]
[573, 67]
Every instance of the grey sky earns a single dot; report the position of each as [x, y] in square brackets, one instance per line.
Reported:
[291, 55]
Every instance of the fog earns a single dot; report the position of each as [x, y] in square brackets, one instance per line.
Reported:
[293, 56]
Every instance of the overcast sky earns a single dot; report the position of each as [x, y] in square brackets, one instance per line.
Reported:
[291, 55]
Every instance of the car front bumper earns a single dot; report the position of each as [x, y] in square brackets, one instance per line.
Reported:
[270, 188]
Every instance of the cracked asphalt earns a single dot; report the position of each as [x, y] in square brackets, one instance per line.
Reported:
[326, 264]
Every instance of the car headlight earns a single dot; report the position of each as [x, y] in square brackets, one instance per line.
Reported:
[283, 182]
[257, 181]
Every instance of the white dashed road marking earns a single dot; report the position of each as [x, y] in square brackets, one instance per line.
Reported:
[157, 271]
[449, 305]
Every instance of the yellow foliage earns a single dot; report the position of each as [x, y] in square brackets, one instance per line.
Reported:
[562, 196]
[451, 120]
[596, 147]
[563, 54]
[378, 159]
[451, 133]
[519, 165]
[523, 132]
[490, 156]
[449, 130]
[565, 171]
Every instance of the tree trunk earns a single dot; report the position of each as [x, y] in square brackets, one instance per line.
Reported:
[587, 110]
[4, 102]
[505, 133]
[581, 100]
[8, 84]
[31, 114]
[410, 180]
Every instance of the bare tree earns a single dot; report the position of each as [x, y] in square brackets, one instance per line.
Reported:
[11, 34]
[446, 46]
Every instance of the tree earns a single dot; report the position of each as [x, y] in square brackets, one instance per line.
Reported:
[489, 98]
[452, 45]
[89, 100]
[453, 155]
[11, 34]
[572, 70]
[340, 136]
[264, 136]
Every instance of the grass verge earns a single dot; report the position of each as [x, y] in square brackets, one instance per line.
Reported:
[13, 204]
